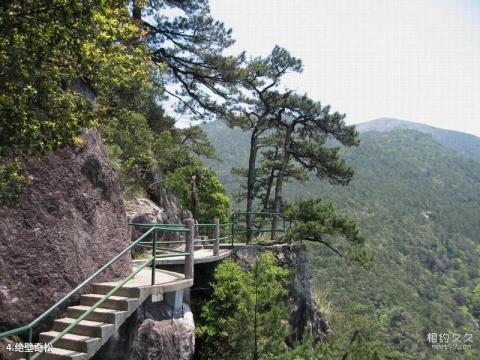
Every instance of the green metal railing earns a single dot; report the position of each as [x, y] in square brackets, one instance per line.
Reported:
[150, 261]
[97, 304]
[264, 215]
[157, 252]
[237, 226]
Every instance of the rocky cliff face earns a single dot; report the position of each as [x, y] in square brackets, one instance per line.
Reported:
[167, 211]
[70, 221]
[166, 338]
[153, 332]
[305, 315]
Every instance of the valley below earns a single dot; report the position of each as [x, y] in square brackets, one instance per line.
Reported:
[417, 200]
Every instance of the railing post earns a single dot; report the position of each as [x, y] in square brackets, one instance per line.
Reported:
[154, 254]
[189, 249]
[216, 244]
[233, 227]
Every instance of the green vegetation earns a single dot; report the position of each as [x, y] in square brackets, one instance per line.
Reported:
[71, 66]
[68, 66]
[356, 336]
[210, 195]
[65, 66]
[418, 204]
[315, 220]
[247, 314]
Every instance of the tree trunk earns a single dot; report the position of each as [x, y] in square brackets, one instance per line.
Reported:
[251, 183]
[277, 203]
[277, 207]
[268, 190]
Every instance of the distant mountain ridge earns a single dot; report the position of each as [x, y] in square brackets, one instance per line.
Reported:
[416, 197]
[466, 144]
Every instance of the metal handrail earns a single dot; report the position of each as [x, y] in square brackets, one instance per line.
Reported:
[154, 228]
[42, 316]
[242, 230]
[258, 213]
[96, 305]
[156, 224]
[204, 240]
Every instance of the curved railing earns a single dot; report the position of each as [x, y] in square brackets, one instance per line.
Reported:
[152, 231]
[157, 252]
[236, 219]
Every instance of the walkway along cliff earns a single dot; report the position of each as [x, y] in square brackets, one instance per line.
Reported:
[68, 276]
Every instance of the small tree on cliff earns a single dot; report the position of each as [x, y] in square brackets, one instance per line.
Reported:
[206, 198]
[246, 315]
[315, 220]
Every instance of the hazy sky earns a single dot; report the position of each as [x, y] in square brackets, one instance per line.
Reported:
[415, 60]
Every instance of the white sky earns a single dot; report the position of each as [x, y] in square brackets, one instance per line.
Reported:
[416, 60]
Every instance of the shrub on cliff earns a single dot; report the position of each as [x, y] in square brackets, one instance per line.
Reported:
[315, 220]
[65, 65]
[247, 315]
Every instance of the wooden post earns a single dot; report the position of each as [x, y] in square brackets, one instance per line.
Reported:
[216, 244]
[189, 259]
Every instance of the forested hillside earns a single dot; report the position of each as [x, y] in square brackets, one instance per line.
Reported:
[466, 144]
[418, 203]
[401, 255]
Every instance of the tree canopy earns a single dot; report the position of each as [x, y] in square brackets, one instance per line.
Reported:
[246, 316]
[187, 44]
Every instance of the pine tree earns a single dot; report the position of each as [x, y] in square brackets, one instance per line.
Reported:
[306, 126]
[257, 108]
[314, 220]
[187, 46]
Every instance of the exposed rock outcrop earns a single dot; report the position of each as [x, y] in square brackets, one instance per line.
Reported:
[167, 211]
[166, 339]
[304, 315]
[153, 333]
[69, 222]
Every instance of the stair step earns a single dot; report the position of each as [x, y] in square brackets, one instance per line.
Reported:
[79, 343]
[133, 292]
[64, 354]
[111, 316]
[85, 327]
[114, 302]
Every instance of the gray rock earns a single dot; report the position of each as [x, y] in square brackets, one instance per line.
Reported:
[154, 331]
[145, 211]
[172, 339]
[70, 221]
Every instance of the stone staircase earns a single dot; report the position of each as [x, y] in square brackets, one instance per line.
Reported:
[88, 336]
